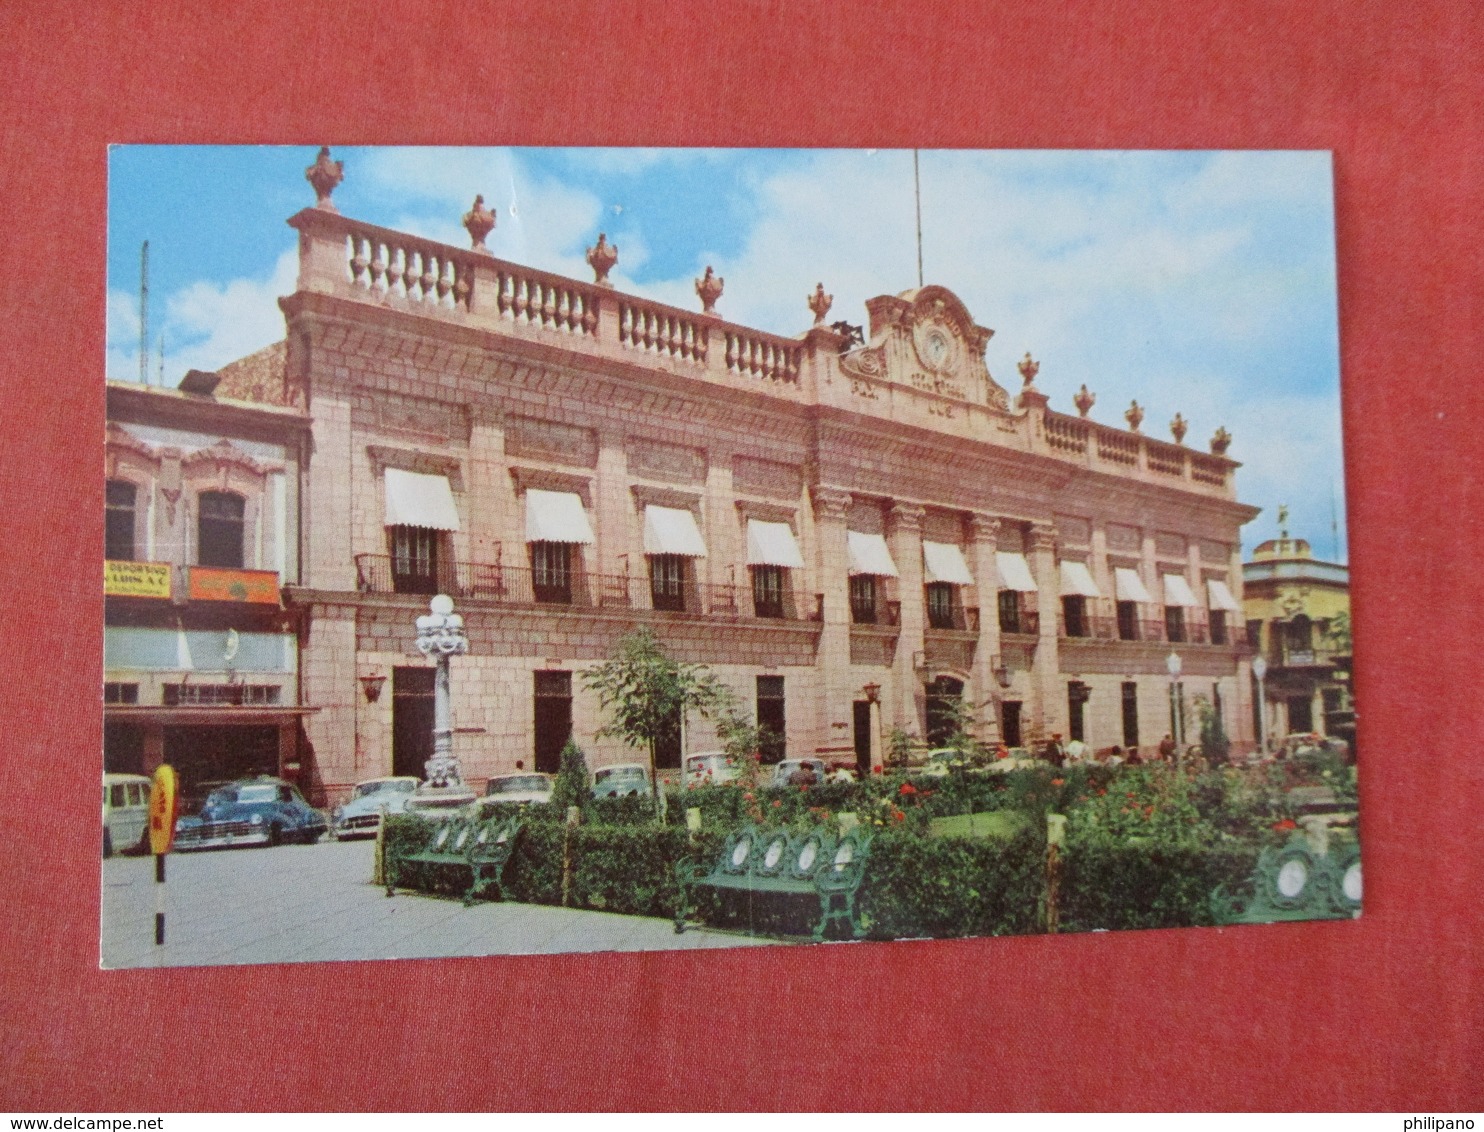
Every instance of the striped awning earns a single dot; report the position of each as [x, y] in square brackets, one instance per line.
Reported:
[1076, 581]
[1221, 597]
[1128, 586]
[944, 562]
[1177, 591]
[1015, 572]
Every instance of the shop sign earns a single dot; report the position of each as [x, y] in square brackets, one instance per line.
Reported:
[136, 579]
[162, 809]
[208, 583]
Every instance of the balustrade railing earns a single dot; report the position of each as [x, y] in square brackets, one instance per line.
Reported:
[420, 271]
[1097, 627]
[662, 330]
[1065, 434]
[1118, 448]
[535, 298]
[520, 585]
[755, 354]
[1165, 459]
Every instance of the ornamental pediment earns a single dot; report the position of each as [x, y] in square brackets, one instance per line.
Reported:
[927, 339]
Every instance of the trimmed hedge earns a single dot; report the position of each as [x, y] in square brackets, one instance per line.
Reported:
[1154, 885]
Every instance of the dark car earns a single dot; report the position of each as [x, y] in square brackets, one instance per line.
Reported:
[251, 811]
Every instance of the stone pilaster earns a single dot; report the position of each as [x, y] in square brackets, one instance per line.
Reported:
[832, 559]
[904, 536]
[1048, 712]
[984, 533]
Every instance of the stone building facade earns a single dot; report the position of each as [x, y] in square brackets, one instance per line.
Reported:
[201, 534]
[1298, 617]
[850, 528]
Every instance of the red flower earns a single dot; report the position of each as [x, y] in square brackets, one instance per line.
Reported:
[878, 770]
[1284, 826]
[1058, 782]
[897, 815]
[1101, 793]
[1148, 811]
[748, 795]
[907, 788]
[777, 801]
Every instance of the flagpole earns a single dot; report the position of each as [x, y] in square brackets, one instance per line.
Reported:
[917, 192]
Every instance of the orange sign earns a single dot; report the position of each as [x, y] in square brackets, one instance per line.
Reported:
[208, 583]
[136, 579]
[162, 803]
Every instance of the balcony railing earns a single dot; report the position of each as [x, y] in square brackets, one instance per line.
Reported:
[519, 585]
[1100, 628]
[1027, 622]
[883, 613]
[957, 618]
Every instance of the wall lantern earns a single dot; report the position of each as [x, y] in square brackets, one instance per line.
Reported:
[1001, 671]
[371, 685]
[873, 693]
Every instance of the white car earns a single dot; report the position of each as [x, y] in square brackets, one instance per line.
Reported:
[786, 769]
[709, 768]
[524, 787]
[361, 816]
[125, 813]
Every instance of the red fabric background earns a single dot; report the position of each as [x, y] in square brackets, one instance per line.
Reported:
[1383, 1013]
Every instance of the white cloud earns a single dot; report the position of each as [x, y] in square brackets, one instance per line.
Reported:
[204, 325]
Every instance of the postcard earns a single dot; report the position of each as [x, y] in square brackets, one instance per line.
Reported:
[541, 550]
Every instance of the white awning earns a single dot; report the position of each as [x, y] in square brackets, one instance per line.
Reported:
[869, 555]
[672, 530]
[417, 500]
[1128, 586]
[944, 562]
[1076, 581]
[1221, 597]
[772, 544]
[1015, 572]
[1177, 591]
[556, 516]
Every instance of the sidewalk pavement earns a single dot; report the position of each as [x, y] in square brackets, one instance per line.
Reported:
[312, 903]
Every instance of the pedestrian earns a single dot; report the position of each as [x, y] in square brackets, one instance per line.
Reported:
[1167, 748]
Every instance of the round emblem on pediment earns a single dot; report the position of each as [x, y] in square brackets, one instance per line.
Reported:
[937, 346]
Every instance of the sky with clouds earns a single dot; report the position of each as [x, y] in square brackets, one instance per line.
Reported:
[1192, 281]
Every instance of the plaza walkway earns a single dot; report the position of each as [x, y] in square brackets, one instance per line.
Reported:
[311, 903]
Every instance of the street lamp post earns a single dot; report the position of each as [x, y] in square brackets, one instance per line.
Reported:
[1177, 704]
[1259, 670]
[440, 635]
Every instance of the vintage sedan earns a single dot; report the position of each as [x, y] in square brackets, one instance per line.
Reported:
[622, 780]
[251, 811]
[361, 816]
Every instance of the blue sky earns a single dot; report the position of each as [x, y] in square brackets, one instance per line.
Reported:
[1197, 282]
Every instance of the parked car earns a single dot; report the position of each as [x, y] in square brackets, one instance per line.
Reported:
[785, 770]
[361, 816]
[623, 780]
[709, 768]
[125, 813]
[524, 787]
[251, 811]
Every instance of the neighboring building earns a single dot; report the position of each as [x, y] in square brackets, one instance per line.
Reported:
[850, 533]
[200, 658]
[1298, 618]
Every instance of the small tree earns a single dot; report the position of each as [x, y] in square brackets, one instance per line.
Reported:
[572, 787]
[644, 691]
[1215, 745]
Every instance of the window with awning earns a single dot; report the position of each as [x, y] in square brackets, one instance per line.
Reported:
[1076, 581]
[1128, 586]
[772, 544]
[1220, 596]
[869, 555]
[672, 530]
[414, 499]
[944, 562]
[556, 516]
[1015, 572]
[1177, 591]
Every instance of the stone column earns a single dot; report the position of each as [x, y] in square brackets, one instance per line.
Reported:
[1048, 713]
[904, 535]
[832, 560]
[984, 533]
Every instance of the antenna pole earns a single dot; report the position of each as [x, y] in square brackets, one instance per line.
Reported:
[144, 312]
[917, 192]
[1334, 520]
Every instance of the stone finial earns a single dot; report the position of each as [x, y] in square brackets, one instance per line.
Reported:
[1178, 428]
[820, 303]
[324, 175]
[1084, 401]
[709, 288]
[1029, 367]
[1220, 442]
[601, 257]
[1134, 415]
[479, 222]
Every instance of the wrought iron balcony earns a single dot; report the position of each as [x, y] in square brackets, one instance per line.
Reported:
[519, 585]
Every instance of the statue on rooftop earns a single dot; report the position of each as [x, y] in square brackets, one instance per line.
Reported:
[1029, 367]
[479, 222]
[1134, 415]
[1084, 400]
[820, 303]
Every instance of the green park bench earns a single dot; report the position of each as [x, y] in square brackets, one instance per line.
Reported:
[477, 845]
[774, 864]
[1296, 882]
